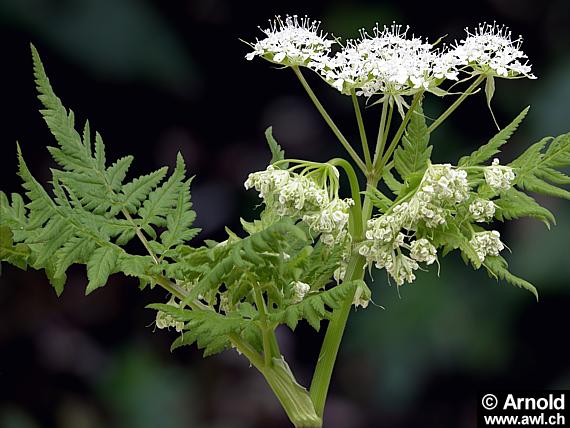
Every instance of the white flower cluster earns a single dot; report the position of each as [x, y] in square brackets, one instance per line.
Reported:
[487, 243]
[389, 61]
[293, 42]
[499, 177]
[300, 197]
[482, 210]
[300, 290]
[164, 320]
[423, 251]
[441, 190]
[490, 49]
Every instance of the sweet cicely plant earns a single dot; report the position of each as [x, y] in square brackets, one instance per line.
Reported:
[308, 254]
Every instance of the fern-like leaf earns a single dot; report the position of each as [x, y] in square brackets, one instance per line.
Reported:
[537, 169]
[487, 151]
[413, 155]
[313, 308]
[514, 204]
[277, 153]
[497, 267]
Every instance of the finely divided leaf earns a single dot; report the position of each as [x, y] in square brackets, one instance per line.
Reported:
[514, 204]
[414, 153]
[100, 265]
[277, 153]
[487, 151]
[537, 169]
[312, 308]
[497, 267]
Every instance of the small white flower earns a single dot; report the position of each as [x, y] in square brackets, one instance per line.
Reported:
[487, 243]
[300, 289]
[482, 210]
[403, 269]
[362, 296]
[292, 42]
[499, 177]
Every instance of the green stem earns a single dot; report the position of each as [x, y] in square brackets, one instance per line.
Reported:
[399, 133]
[267, 333]
[356, 209]
[293, 397]
[329, 121]
[456, 104]
[335, 330]
[361, 130]
[380, 140]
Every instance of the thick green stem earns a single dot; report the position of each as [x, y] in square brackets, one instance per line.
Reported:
[270, 348]
[362, 131]
[293, 397]
[456, 104]
[329, 121]
[335, 330]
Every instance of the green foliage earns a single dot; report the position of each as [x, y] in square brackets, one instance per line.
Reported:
[538, 167]
[413, 155]
[208, 329]
[487, 151]
[379, 200]
[514, 204]
[277, 153]
[454, 237]
[16, 254]
[313, 307]
[497, 267]
[90, 212]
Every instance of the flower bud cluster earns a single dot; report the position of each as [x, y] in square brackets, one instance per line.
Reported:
[300, 290]
[482, 210]
[422, 250]
[300, 197]
[442, 188]
[293, 42]
[384, 245]
[164, 320]
[499, 177]
[487, 243]
[390, 242]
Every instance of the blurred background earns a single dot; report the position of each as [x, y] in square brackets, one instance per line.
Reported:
[157, 77]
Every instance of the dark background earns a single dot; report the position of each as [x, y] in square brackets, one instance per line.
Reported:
[157, 77]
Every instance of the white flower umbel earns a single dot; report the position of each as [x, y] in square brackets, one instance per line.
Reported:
[487, 243]
[490, 50]
[293, 41]
[300, 290]
[482, 210]
[423, 251]
[388, 62]
[499, 177]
